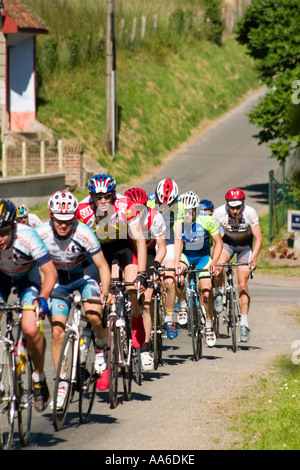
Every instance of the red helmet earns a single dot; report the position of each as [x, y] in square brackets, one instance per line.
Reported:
[166, 191]
[137, 195]
[235, 197]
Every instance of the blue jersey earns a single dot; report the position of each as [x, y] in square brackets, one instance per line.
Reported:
[25, 251]
[197, 236]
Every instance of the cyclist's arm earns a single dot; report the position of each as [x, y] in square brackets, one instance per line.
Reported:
[49, 275]
[136, 234]
[218, 246]
[104, 272]
[257, 245]
[161, 248]
[178, 245]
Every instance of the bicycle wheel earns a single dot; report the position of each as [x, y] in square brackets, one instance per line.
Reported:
[7, 394]
[113, 362]
[232, 320]
[127, 369]
[64, 373]
[137, 366]
[195, 328]
[25, 401]
[155, 332]
[87, 383]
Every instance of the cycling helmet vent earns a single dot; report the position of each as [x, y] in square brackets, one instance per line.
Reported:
[102, 184]
[22, 211]
[63, 205]
[7, 213]
[166, 191]
[190, 200]
[137, 195]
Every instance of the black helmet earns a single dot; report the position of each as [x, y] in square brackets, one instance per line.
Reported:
[7, 213]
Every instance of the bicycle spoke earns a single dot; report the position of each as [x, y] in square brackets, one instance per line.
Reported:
[25, 402]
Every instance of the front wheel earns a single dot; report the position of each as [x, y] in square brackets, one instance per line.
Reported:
[113, 362]
[7, 400]
[64, 377]
[195, 328]
[87, 383]
[25, 401]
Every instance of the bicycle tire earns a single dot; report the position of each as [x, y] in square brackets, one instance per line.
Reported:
[25, 401]
[155, 332]
[232, 320]
[137, 366]
[87, 382]
[64, 371]
[196, 334]
[113, 362]
[7, 394]
[127, 369]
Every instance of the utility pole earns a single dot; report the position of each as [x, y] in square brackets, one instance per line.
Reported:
[111, 117]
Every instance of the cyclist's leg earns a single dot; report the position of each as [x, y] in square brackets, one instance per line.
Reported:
[180, 292]
[59, 312]
[169, 283]
[244, 272]
[219, 280]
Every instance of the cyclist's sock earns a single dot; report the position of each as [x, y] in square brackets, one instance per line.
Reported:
[244, 320]
[183, 304]
[169, 315]
[100, 343]
[208, 324]
[38, 377]
[138, 332]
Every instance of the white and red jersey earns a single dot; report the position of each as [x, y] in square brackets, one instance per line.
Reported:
[153, 226]
[114, 224]
[238, 229]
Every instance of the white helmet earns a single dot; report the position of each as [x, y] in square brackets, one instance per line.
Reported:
[63, 205]
[166, 191]
[190, 200]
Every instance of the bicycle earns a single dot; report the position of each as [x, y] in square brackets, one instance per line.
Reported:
[196, 311]
[16, 389]
[76, 363]
[122, 357]
[232, 316]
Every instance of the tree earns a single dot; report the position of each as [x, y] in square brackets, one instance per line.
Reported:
[270, 31]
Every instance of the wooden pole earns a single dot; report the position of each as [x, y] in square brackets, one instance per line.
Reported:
[111, 116]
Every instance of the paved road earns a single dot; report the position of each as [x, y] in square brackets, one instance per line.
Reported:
[185, 404]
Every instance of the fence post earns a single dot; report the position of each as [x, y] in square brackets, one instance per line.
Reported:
[60, 155]
[4, 161]
[23, 158]
[42, 154]
[271, 202]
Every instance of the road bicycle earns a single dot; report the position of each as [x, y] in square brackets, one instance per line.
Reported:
[16, 389]
[76, 363]
[232, 313]
[123, 359]
[196, 311]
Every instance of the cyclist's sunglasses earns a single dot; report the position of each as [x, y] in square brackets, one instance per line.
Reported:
[100, 196]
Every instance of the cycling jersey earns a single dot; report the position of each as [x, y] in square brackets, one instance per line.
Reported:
[153, 226]
[121, 215]
[72, 253]
[237, 231]
[171, 217]
[25, 251]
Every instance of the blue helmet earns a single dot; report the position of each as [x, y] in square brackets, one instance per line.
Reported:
[102, 184]
[206, 205]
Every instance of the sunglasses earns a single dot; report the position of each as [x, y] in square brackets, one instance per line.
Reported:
[105, 196]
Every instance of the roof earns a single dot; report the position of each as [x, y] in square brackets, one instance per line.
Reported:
[22, 17]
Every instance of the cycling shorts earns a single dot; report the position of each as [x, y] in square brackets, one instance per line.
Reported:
[202, 261]
[27, 287]
[86, 285]
[243, 252]
[122, 251]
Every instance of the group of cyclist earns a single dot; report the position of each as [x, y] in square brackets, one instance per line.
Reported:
[81, 245]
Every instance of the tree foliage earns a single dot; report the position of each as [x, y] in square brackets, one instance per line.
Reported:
[270, 30]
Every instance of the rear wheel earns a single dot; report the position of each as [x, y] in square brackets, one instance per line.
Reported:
[195, 328]
[127, 369]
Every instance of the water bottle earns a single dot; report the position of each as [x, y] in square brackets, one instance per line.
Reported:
[84, 343]
[20, 357]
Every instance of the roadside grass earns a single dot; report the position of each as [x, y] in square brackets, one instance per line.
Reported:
[268, 415]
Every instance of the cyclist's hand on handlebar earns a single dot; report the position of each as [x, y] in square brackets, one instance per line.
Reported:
[142, 278]
[214, 270]
[252, 265]
[109, 300]
[41, 302]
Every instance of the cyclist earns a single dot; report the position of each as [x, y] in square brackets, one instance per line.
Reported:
[26, 217]
[241, 226]
[23, 256]
[165, 200]
[80, 263]
[115, 221]
[199, 232]
[154, 228]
